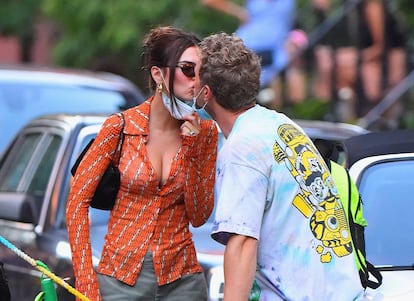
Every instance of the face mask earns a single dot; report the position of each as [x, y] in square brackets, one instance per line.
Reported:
[179, 110]
[203, 114]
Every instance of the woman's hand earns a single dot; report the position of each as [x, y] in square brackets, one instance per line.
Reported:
[191, 125]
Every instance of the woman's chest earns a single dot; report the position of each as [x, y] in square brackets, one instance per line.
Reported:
[153, 167]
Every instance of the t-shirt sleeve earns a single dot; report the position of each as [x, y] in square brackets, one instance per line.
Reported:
[241, 198]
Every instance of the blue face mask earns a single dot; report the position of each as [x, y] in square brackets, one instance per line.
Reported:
[203, 114]
[180, 109]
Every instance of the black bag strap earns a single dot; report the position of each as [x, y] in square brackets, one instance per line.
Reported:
[120, 140]
[375, 273]
[118, 150]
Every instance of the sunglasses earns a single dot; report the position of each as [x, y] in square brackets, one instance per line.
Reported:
[187, 68]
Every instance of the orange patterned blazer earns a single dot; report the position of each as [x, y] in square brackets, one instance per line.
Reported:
[145, 215]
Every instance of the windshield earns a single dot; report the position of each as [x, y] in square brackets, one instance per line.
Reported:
[386, 190]
[19, 103]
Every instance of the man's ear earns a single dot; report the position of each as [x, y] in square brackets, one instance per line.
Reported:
[208, 94]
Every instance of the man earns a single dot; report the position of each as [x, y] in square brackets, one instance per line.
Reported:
[278, 211]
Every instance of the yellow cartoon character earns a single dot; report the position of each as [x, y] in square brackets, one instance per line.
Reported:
[318, 199]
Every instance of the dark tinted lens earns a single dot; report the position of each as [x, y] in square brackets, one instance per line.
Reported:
[187, 69]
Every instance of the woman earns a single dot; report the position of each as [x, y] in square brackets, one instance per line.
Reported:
[167, 170]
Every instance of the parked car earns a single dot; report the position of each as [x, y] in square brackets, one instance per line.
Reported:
[336, 132]
[34, 184]
[27, 92]
[382, 166]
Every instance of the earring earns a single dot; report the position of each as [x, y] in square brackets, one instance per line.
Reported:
[159, 88]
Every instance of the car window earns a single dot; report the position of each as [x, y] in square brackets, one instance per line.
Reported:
[9, 182]
[43, 170]
[386, 190]
[29, 167]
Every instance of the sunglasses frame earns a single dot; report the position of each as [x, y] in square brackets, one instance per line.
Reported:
[187, 68]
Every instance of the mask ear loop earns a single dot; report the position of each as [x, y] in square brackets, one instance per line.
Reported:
[173, 99]
[160, 90]
[194, 105]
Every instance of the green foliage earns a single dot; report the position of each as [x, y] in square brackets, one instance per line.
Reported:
[95, 34]
[107, 34]
[405, 8]
[312, 109]
[17, 17]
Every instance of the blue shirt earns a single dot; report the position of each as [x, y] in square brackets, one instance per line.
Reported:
[270, 22]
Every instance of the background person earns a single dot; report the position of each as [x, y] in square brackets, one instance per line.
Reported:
[167, 170]
[274, 191]
[361, 58]
[295, 76]
[265, 26]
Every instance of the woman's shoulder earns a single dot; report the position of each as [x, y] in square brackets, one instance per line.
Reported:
[141, 109]
[136, 118]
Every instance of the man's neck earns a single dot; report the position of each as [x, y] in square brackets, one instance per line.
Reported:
[226, 119]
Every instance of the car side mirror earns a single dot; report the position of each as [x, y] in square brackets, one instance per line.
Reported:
[18, 207]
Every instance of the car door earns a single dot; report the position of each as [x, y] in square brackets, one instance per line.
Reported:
[27, 174]
[385, 183]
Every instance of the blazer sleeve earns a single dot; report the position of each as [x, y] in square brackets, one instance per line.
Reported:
[85, 181]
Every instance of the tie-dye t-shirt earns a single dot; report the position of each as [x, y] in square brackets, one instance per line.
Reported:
[271, 184]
